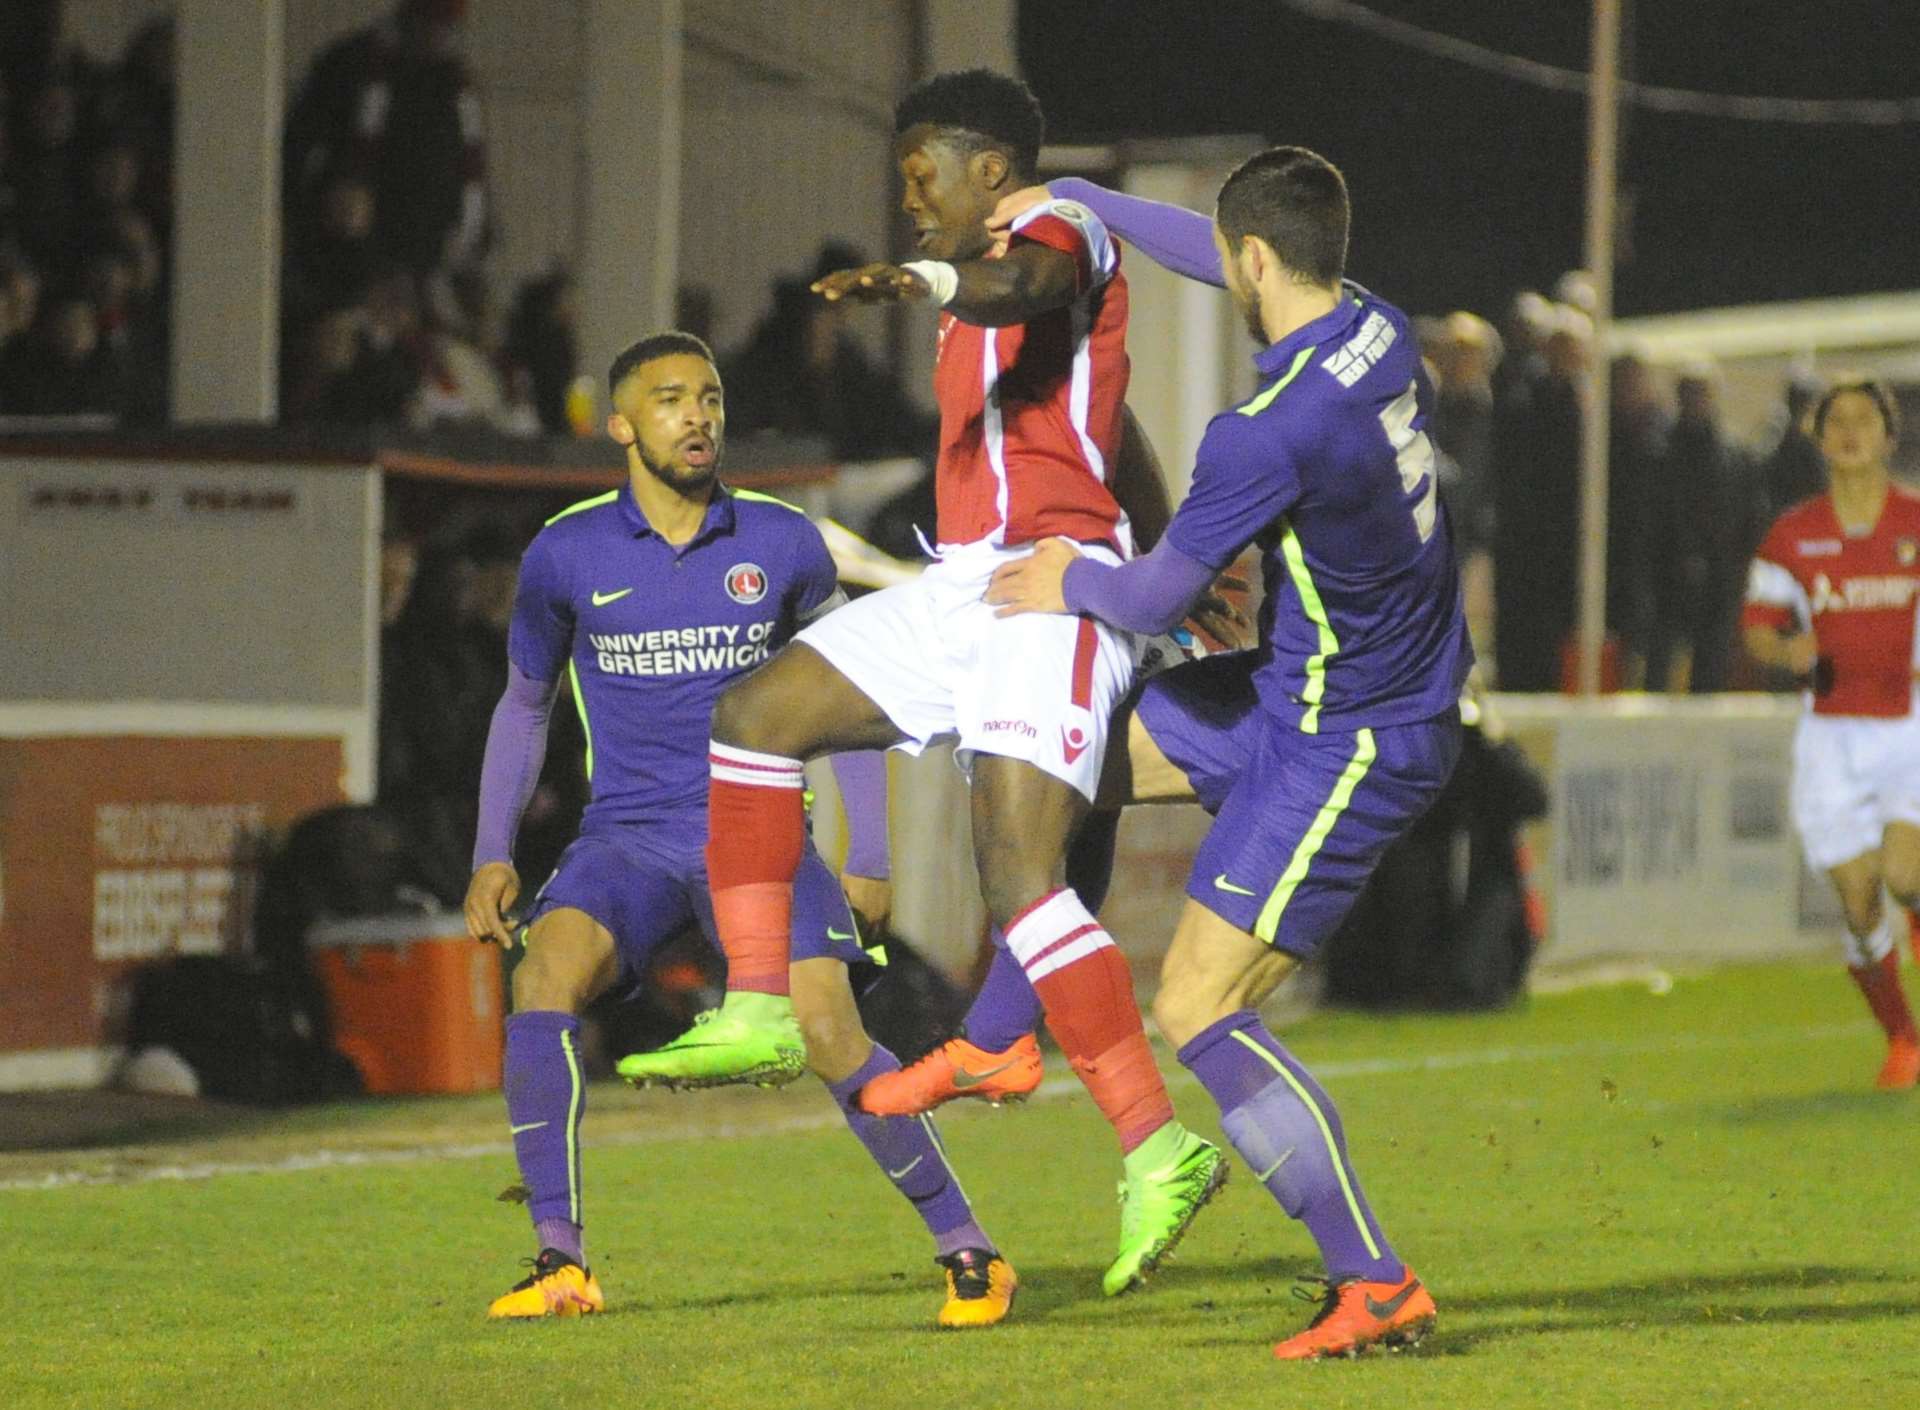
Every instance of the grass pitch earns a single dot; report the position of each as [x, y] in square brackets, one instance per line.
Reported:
[1618, 1198]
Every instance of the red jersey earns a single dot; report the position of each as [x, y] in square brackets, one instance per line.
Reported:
[1030, 414]
[1858, 594]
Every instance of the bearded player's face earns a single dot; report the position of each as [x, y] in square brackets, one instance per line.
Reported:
[1246, 297]
[671, 411]
[947, 194]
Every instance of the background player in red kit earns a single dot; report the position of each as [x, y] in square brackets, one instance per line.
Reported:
[1832, 597]
[1031, 379]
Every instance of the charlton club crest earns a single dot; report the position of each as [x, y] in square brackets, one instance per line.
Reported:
[746, 583]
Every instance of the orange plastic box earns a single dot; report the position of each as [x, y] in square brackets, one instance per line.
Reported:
[416, 1002]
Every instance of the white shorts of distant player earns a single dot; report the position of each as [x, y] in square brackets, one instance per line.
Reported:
[934, 657]
[1852, 776]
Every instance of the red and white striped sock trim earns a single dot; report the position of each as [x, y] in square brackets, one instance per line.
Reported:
[731, 764]
[1054, 933]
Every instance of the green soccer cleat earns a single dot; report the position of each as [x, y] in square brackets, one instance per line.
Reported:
[751, 1038]
[1157, 1205]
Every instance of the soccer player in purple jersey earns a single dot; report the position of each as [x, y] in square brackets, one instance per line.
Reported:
[1321, 746]
[650, 600]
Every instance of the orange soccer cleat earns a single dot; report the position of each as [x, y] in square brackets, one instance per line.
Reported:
[557, 1287]
[980, 1288]
[1357, 1315]
[1901, 1071]
[955, 1069]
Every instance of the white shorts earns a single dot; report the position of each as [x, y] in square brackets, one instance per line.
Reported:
[1851, 777]
[938, 662]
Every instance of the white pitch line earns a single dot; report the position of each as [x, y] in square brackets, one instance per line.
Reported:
[329, 1159]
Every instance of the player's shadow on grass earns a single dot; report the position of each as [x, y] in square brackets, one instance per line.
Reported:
[1183, 1291]
[89, 1121]
[1816, 1106]
[1730, 1299]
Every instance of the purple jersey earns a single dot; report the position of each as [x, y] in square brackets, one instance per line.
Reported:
[1329, 470]
[650, 633]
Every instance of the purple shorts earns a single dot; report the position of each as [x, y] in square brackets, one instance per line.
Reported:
[645, 881]
[1299, 820]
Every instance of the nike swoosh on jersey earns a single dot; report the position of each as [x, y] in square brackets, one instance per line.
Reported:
[1221, 883]
[1384, 1310]
[963, 1078]
[529, 1126]
[601, 599]
[906, 1169]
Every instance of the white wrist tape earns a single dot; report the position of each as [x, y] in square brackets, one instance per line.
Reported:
[941, 277]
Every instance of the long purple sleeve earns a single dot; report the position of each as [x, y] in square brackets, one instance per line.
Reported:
[516, 747]
[862, 776]
[1151, 594]
[1169, 235]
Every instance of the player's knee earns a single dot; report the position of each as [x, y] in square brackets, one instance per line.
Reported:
[746, 718]
[552, 974]
[1903, 880]
[837, 1043]
[1183, 1008]
[1012, 880]
[1862, 914]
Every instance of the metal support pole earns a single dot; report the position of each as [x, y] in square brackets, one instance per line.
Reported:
[1603, 115]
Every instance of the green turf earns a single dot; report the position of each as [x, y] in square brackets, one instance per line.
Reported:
[1618, 1198]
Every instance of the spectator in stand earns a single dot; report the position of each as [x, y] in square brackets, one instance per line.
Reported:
[331, 264]
[9, 190]
[398, 102]
[46, 160]
[1705, 525]
[129, 333]
[462, 382]
[134, 105]
[1794, 469]
[542, 348]
[66, 370]
[363, 366]
[19, 310]
[1465, 353]
[1638, 424]
[1536, 493]
[803, 374]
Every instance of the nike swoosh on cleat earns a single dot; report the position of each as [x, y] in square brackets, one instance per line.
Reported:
[1262, 1176]
[601, 599]
[1221, 883]
[529, 1126]
[964, 1079]
[1384, 1310]
[906, 1169]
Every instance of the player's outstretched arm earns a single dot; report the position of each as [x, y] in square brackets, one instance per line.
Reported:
[1029, 280]
[1171, 236]
[1151, 594]
[509, 773]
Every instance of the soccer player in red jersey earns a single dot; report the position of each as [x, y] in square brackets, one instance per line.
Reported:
[1030, 380]
[1832, 597]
